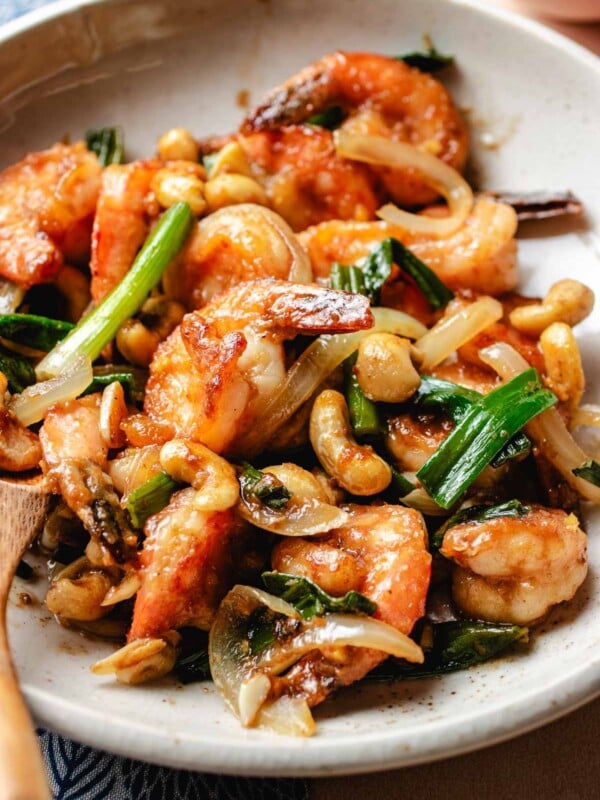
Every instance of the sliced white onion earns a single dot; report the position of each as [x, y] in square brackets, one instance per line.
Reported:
[11, 296]
[547, 429]
[453, 331]
[421, 501]
[315, 364]
[133, 467]
[439, 175]
[233, 666]
[32, 404]
[298, 518]
[286, 716]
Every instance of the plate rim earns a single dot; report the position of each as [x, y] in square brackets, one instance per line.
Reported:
[541, 709]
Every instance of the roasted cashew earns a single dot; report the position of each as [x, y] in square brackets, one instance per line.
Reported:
[355, 467]
[141, 660]
[563, 363]
[567, 301]
[384, 368]
[214, 479]
[78, 591]
[113, 410]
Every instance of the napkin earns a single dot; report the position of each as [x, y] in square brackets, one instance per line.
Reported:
[77, 772]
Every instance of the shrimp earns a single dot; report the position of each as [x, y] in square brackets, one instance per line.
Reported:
[76, 456]
[382, 96]
[127, 207]
[47, 203]
[515, 569]
[304, 178]
[237, 243]
[213, 375]
[479, 256]
[382, 553]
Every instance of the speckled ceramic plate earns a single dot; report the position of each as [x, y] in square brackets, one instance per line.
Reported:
[532, 100]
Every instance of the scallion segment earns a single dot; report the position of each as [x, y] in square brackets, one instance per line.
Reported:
[430, 60]
[437, 293]
[455, 400]
[330, 119]
[310, 600]
[107, 143]
[455, 645]
[364, 416]
[589, 471]
[17, 370]
[150, 498]
[513, 509]
[31, 330]
[94, 332]
[480, 435]
[264, 487]
[126, 379]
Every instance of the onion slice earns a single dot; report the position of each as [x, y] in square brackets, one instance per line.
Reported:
[587, 414]
[547, 429]
[454, 330]
[239, 674]
[314, 365]
[439, 175]
[306, 517]
[32, 404]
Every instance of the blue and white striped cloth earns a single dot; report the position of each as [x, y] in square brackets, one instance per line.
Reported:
[77, 772]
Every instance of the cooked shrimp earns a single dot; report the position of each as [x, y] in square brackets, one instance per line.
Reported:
[127, 206]
[382, 96]
[76, 456]
[479, 256]
[238, 243]
[212, 376]
[381, 553]
[190, 560]
[515, 569]
[47, 201]
[304, 178]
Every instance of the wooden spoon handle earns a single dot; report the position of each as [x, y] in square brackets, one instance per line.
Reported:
[22, 773]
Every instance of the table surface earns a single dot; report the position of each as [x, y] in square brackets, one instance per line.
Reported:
[557, 762]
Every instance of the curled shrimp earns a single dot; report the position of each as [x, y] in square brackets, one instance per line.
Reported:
[515, 569]
[381, 553]
[382, 96]
[76, 455]
[47, 203]
[480, 256]
[237, 243]
[213, 375]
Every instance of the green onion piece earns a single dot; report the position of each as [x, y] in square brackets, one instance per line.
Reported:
[107, 143]
[264, 487]
[192, 662]
[589, 471]
[481, 434]
[429, 60]
[24, 570]
[150, 498]
[330, 119]
[436, 292]
[364, 416]
[96, 330]
[261, 626]
[456, 400]
[400, 485]
[310, 600]
[377, 269]
[31, 330]
[513, 509]
[338, 277]
[17, 370]
[126, 379]
[456, 645]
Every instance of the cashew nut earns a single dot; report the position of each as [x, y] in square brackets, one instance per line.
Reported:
[78, 591]
[563, 363]
[141, 660]
[232, 189]
[567, 301]
[214, 479]
[384, 368]
[177, 144]
[299, 482]
[113, 410]
[355, 467]
[231, 158]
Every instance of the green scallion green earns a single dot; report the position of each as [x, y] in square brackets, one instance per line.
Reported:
[17, 370]
[107, 143]
[589, 471]
[310, 600]
[263, 486]
[480, 435]
[96, 330]
[429, 60]
[31, 330]
[513, 509]
[150, 498]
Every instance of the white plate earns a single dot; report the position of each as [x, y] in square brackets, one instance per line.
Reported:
[152, 65]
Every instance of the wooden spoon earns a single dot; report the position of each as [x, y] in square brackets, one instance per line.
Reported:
[23, 507]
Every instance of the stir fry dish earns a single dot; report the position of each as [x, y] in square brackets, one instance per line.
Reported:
[299, 427]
